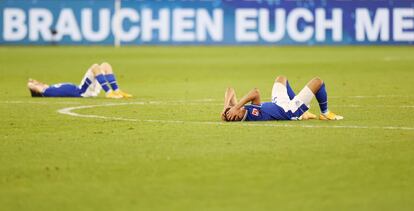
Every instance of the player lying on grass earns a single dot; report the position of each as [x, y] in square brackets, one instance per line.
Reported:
[285, 104]
[96, 78]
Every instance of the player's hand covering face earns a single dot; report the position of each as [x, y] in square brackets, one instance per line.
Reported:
[223, 116]
[224, 112]
[235, 114]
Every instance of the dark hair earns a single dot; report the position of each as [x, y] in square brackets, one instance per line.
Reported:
[225, 114]
[35, 94]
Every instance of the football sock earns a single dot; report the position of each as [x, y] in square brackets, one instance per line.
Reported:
[85, 85]
[290, 91]
[102, 81]
[112, 81]
[322, 98]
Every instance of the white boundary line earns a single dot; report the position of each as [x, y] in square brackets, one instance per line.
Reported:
[149, 102]
[371, 106]
[70, 111]
[373, 96]
[39, 102]
[194, 102]
[219, 100]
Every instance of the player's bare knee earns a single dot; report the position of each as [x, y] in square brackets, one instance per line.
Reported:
[317, 81]
[281, 79]
[315, 84]
[96, 69]
[106, 67]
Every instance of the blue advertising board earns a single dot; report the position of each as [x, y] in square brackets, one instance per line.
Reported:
[207, 22]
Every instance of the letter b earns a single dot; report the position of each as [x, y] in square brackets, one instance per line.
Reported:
[14, 28]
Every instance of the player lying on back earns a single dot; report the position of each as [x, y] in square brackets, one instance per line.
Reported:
[285, 104]
[96, 78]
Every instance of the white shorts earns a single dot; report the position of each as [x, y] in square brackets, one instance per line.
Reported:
[281, 98]
[94, 88]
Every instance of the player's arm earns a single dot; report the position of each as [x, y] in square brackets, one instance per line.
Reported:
[230, 98]
[253, 96]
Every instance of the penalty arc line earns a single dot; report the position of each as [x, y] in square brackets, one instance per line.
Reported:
[70, 111]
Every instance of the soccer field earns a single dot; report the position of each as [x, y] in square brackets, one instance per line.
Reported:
[166, 149]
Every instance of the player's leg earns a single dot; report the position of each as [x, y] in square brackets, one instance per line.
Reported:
[280, 93]
[100, 77]
[283, 80]
[290, 91]
[110, 77]
[317, 87]
[89, 86]
[283, 94]
[305, 116]
[87, 80]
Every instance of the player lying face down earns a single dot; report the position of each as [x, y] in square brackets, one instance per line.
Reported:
[285, 104]
[97, 77]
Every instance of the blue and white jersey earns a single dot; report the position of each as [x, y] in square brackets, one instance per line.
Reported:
[62, 90]
[264, 112]
[270, 111]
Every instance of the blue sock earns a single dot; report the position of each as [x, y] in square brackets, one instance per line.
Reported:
[112, 81]
[102, 81]
[290, 91]
[85, 85]
[322, 98]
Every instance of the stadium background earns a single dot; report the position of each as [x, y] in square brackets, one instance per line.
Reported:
[167, 149]
[214, 22]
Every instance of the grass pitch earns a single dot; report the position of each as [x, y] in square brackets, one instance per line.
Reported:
[184, 159]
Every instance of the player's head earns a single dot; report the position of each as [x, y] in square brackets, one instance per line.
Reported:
[239, 116]
[36, 88]
[35, 93]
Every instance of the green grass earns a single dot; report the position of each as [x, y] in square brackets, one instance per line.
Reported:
[51, 161]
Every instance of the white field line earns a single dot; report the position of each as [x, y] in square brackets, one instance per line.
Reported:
[334, 105]
[372, 96]
[212, 102]
[40, 102]
[372, 106]
[70, 111]
[215, 100]
[167, 102]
